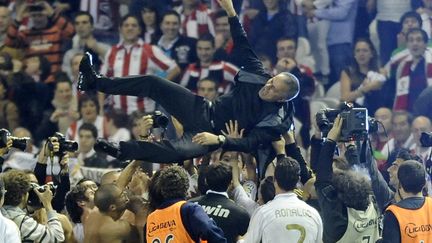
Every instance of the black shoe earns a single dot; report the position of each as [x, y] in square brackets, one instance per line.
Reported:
[87, 76]
[109, 148]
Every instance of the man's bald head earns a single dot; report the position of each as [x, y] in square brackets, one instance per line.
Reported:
[106, 196]
[110, 177]
[384, 115]
[420, 124]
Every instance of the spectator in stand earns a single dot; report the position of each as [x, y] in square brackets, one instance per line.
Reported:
[106, 15]
[382, 136]
[402, 137]
[207, 88]
[361, 81]
[223, 41]
[132, 57]
[17, 183]
[179, 47]
[389, 13]
[419, 125]
[269, 26]
[409, 21]
[63, 112]
[79, 204]
[424, 9]
[193, 224]
[150, 23]
[231, 218]
[48, 33]
[403, 221]
[286, 62]
[88, 108]
[344, 194]
[5, 21]
[116, 126]
[208, 67]
[9, 114]
[87, 156]
[196, 19]
[413, 72]
[342, 15]
[84, 41]
[9, 231]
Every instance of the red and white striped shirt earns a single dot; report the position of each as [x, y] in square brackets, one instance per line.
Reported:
[141, 58]
[198, 23]
[72, 132]
[220, 71]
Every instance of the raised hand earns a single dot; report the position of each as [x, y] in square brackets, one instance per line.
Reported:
[232, 130]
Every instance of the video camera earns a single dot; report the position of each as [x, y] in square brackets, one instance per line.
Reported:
[426, 139]
[65, 145]
[33, 199]
[19, 143]
[356, 122]
[159, 119]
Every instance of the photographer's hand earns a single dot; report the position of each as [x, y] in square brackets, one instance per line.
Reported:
[335, 132]
[279, 146]
[45, 198]
[5, 150]
[51, 144]
[205, 138]
[64, 164]
[144, 125]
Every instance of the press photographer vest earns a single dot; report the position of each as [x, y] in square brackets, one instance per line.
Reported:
[362, 226]
[166, 225]
[415, 224]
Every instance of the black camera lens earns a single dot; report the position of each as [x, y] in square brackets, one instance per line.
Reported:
[20, 143]
[69, 146]
[159, 120]
[426, 139]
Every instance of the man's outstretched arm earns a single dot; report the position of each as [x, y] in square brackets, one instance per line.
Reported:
[242, 51]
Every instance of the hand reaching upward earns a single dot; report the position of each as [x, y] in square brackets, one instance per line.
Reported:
[227, 5]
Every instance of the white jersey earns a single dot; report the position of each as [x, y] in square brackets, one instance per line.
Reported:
[285, 219]
[362, 226]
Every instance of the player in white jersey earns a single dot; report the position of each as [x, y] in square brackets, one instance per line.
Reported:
[286, 218]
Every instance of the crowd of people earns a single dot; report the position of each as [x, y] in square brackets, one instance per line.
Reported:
[195, 121]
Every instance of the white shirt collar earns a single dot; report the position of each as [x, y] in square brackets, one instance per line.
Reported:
[220, 193]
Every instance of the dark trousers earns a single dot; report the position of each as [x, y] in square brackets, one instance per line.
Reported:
[189, 109]
[340, 56]
[387, 33]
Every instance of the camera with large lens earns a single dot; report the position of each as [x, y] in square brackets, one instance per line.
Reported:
[19, 143]
[159, 120]
[356, 122]
[33, 199]
[65, 145]
[426, 139]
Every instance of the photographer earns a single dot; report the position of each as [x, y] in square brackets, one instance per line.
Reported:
[17, 184]
[344, 195]
[4, 151]
[62, 182]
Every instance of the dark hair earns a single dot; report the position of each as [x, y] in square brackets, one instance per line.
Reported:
[353, 71]
[106, 196]
[287, 38]
[341, 163]
[405, 154]
[210, 79]
[154, 192]
[418, 30]
[220, 14]
[207, 37]
[44, 66]
[287, 173]
[126, 17]
[154, 9]
[219, 177]
[76, 194]
[61, 77]
[173, 182]
[7, 64]
[17, 184]
[119, 118]
[3, 82]
[267, 189]
[411, 14]
[171, 12]
[293, 84]
[85, 13]
[353, 189]
[86, 98]
[89, 127]
[412, 176]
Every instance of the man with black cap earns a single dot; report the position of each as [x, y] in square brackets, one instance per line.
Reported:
[258, 101]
